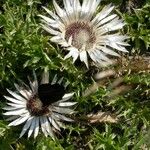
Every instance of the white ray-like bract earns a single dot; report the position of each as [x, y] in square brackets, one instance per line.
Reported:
[39, 106]
[83, 33]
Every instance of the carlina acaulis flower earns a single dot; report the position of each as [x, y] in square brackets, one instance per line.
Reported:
[40, 106]
[83, 33]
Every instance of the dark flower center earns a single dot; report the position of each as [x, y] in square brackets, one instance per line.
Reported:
[82, 35]
[49, 94]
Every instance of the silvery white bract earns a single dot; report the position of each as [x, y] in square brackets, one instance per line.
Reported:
[82, 33]
[41, 105]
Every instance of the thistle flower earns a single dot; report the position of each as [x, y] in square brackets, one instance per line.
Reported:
[39, 105]
[82, 33]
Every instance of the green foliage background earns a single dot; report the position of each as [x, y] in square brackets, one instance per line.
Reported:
[25, 47]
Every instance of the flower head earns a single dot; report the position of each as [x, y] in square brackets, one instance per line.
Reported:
[39, 105]
[82, 33]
